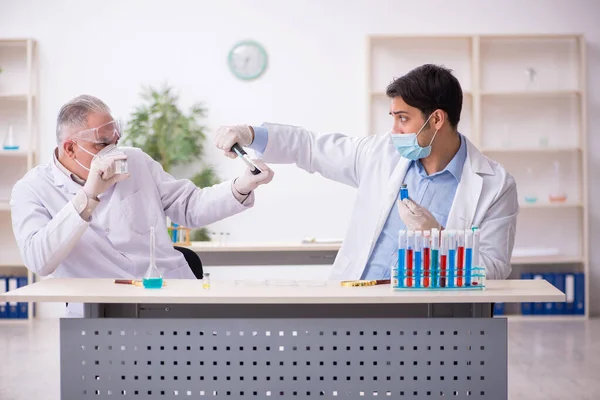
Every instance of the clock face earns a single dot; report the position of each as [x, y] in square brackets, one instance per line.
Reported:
[247, 60]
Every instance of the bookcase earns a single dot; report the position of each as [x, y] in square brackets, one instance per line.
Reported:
[18, 110]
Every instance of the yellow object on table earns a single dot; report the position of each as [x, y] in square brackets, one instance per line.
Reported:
[365, 282]
[134, 282]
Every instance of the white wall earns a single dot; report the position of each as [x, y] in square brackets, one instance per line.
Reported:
[316, 77]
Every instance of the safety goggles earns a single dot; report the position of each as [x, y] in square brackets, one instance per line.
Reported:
[103, 134]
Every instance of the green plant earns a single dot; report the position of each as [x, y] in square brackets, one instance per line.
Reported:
[162, 130]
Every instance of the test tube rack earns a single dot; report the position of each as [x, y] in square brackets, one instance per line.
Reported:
[180, 235]
[440, 261]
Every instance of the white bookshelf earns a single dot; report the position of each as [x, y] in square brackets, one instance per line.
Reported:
[18, 90]
[525, 124]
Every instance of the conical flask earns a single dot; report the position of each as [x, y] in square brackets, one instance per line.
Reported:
[153, 278]
[10, 141]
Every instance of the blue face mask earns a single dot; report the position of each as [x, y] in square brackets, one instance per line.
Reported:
[408, 145]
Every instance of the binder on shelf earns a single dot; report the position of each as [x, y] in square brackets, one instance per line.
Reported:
[498, 308]
[579, 294]
[549, 308]
[570, 293]
[527, 306]
[22, 306]
[13, 308]
[538, 308]
[3, 305]
[559, 283]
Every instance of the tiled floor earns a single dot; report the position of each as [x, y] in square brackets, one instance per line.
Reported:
[547, 360]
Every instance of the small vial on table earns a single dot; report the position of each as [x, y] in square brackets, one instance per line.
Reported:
[206, 281]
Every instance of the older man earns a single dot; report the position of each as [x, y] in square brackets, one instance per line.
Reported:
[77, 217]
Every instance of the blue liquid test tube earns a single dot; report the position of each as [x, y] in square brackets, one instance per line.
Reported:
[435, 258]
[403, 192]
[451, 257]
[175, 232]
[418, 258]
[468, 256]
[401, 272]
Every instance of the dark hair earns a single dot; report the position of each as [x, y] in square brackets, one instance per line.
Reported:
[428, 88]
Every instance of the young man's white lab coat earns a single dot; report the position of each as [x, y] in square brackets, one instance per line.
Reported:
[486, 195]
[55, 240]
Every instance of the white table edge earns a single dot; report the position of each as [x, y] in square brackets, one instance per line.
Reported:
[91, 291]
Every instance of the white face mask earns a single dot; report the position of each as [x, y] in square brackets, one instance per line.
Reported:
[108, 149]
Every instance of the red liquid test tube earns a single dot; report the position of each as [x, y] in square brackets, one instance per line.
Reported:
[460, 258]
[443, 258]
[410, 245]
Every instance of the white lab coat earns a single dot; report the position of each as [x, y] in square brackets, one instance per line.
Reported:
[54, 240]
[486, 196]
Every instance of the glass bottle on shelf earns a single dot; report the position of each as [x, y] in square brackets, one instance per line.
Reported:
[10, 141]
[530, 194]
[530, 73]
[153, 278]
[557, 194]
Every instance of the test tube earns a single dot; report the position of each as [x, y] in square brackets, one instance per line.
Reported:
[451, 243]
[476, 234]
[460, 257]
[443, 258]
[175, 232]
[410, 243]
[403, 192]
[418, 258]
[182, 236]
[401, 259]
[435, 266]
[426, 258]
[468, 256]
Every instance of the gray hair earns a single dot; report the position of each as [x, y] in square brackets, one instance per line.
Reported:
[74, 115]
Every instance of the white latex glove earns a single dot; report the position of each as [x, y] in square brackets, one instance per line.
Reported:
[415, 217]
[102, 174]
[248, 182]
[227, 136]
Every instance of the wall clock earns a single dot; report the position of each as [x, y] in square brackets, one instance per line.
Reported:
[247, 60]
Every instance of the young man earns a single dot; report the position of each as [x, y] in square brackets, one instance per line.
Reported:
[450, 183]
